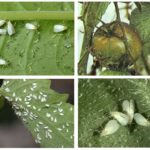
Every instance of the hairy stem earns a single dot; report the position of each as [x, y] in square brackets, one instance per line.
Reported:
[37, 15]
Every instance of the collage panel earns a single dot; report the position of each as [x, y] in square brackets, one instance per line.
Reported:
[113, 38]
[37, 113]
[114, 113]
[36, 38]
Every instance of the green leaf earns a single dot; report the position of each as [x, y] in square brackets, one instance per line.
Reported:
[40, 51]
[141, 21]
[97, 98]
[44, 112]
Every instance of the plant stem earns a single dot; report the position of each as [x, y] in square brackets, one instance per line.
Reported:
[37, 15]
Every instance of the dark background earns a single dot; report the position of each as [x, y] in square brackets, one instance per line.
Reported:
[12, 131]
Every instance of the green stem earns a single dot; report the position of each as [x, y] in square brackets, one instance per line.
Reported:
[37, 15]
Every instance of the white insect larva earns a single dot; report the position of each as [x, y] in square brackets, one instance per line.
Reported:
[2, 22]
[141, 120]
[3, 31]
[3, 62]
[10, 28]
[123, 119]
[30, 26]
[59, 28]
[111, 127]
[128, 107]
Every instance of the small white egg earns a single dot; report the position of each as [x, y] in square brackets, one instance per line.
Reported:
[3, 61]
[128, 107]
[111, 127]
[2, 22]
[123, 119]
[30, 26]
[59, 28]
[10, 28]
[141, 120]
[3, 31]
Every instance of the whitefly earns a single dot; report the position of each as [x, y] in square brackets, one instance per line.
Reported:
[141, 120]
[128, 107]
[122, 118]
[2, 22]
[10, 28]
[3, 31]
[111, 127]
[31, 26]
[3, 61]
[59, 28]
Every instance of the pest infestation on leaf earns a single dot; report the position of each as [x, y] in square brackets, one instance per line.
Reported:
[33, 105]
[125, 119]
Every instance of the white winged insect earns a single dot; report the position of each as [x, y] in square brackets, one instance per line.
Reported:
[128, 107]
[31, 26]
[59, 28]
[10, 28]
[3, 61]
[111, 127]
[123, 119]
[3, 31]
[2, 22]
[141, 120]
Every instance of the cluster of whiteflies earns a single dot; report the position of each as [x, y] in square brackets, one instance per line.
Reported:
[124, 118]
[11, 30]
[10, 27]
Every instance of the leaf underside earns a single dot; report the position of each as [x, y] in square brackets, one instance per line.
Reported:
[38, 52]
[43, 111]
[97, 98]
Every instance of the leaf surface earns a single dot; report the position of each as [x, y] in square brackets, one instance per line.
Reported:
[44, 112]
[97, 98]
[41, 51]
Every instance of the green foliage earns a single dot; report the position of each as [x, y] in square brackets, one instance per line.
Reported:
[40, 51]
[43, 111]
[97, 98]
[141, 21]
